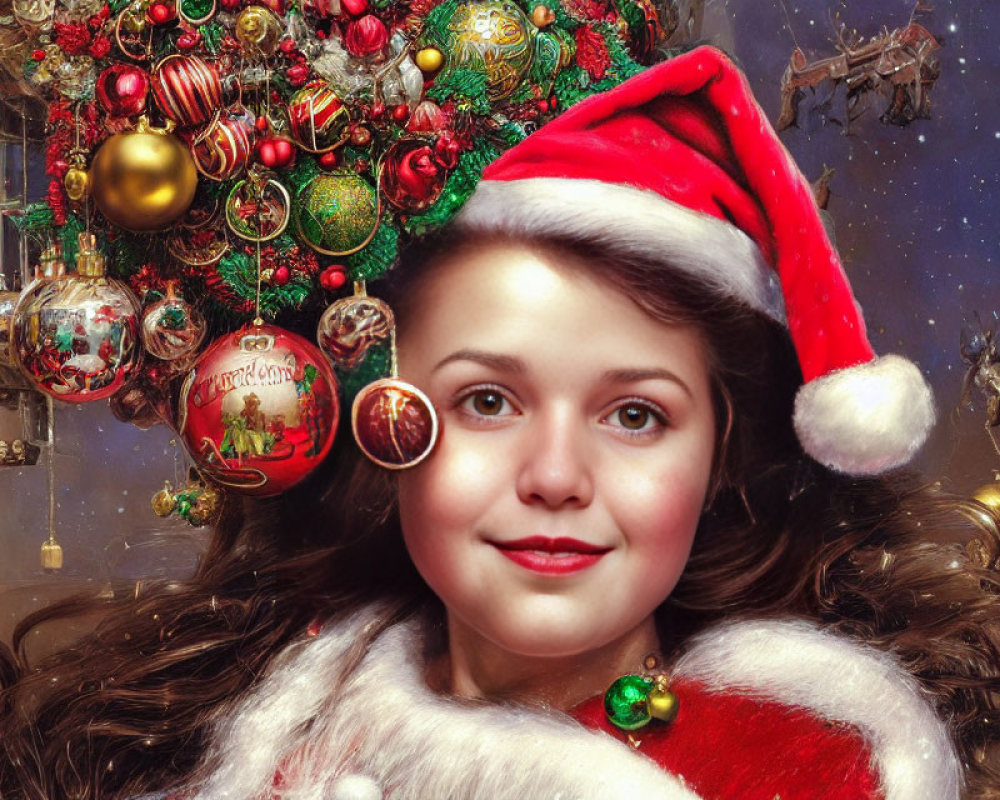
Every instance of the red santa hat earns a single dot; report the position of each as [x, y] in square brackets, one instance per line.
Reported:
[680, 164]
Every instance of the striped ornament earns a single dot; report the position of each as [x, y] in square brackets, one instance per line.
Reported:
[186, 89]
[221, 152]
[316, 117]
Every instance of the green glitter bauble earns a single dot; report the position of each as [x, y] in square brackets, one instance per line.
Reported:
[336, 213]
[625, 702]
[196, 10]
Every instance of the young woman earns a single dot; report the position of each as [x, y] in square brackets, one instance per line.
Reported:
[618, 490]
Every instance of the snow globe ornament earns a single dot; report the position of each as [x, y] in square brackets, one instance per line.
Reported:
[76, 336]
[171, 328]
[259, 410]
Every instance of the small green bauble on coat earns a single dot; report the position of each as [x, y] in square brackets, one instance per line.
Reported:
[625, 702]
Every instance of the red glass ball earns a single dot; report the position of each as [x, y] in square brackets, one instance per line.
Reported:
[259, 410]
[121, 90]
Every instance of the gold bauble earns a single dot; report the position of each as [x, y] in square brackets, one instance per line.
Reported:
[258, 31]
[75, 182]
[662, 705]
[163, 501]
[430, 59]
[542, 16]
[989, 496]
[143, 180]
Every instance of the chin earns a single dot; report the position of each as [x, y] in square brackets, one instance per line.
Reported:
[545, 638]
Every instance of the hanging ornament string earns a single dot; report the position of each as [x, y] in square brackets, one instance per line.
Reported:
[258, 320]
[52, 554]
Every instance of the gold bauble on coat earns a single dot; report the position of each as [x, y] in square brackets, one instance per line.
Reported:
[143, 180]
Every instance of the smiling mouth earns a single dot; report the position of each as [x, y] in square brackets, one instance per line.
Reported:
[561, 556]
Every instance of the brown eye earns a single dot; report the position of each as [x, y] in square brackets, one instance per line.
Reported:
[487, 403]
[634, 417]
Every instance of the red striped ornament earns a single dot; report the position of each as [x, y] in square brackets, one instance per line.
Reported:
[186, 89]
[222, 150]
[317, 117]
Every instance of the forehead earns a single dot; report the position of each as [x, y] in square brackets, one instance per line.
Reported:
[507, 296]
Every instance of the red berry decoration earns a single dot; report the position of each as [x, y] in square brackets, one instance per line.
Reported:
[261, 124]
[259, 410]
[329, 160]
[38, 55]
[377, 110]
[281, 276]
[297, 74]
[361, 136]
[332, 278]
[189, 40]
[401, 113]
[275, 152]
[354, 7]
[287, 46]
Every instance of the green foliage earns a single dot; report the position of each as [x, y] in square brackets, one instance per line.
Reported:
[372, 261]
[467, 87]
[239, 270]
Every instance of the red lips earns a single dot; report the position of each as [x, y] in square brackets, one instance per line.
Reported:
[562, 556]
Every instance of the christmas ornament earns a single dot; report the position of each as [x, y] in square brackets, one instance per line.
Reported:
[196, 12]
[133, 34]
[33, 14]
[394, 423]
[197, 502]
[317, 118]
[412, 179]
[171, 328]
[121, 90]
[187, 89]
[367, 36]
[337, 213]
[143, 180]
[494, 37]
[198, 248]
[430, 59]
[258, 31]
[160, 13]
[257, 208]
[275, 152]
[222, 150]
[8, 301]
[76, 182]
[633, 701]
[352, 325]
[259, 410]
[76, 337]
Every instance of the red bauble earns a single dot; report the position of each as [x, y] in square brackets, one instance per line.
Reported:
[160, 13]
[187, 89]
[366, 36]
[259, 410]
[354, 7]
[281, 276]
[329, 159]
[275, 152]
[121, 90]
[412, 179]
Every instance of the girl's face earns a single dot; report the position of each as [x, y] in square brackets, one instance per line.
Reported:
[577, 435]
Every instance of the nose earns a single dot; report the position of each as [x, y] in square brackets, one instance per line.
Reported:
[555, 467]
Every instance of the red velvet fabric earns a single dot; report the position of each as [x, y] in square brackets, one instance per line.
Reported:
[690, 130]
[728, 746]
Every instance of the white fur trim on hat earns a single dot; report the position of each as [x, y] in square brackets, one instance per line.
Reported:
[795, 663]
[625, 219]
[865, 419]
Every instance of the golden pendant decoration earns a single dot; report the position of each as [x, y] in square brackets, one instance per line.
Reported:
[143, 180]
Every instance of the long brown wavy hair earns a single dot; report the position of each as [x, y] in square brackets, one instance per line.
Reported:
[891, 561]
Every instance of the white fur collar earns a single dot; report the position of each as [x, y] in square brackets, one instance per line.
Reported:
[411, 743]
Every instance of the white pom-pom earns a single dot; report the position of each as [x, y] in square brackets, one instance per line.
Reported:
[355, 787]
[865, 419]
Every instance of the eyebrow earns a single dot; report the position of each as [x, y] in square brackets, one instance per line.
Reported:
[514, 365]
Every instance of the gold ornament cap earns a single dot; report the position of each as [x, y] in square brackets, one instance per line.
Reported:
[52, 555]
[50, 263]
[89, 260]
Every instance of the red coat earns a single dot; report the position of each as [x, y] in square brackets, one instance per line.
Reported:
[768, 709]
